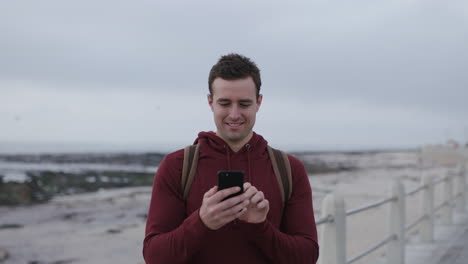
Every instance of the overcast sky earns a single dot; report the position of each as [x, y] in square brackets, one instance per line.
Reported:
[336, 74]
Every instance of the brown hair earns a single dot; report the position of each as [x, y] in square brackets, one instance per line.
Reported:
[232, 67]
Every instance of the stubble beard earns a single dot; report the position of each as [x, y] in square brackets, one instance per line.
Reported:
[237, 136]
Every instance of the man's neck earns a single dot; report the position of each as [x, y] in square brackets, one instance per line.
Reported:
[237, 145]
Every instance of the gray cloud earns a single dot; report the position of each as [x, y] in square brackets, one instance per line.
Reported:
[404, 59]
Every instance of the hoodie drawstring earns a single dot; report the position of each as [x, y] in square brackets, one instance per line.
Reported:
[249, 177]
[228, 157]
[228, 161]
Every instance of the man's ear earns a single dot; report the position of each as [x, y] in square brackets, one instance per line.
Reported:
[259, 101]
[210, 101]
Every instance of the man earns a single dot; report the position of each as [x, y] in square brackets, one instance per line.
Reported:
[254, 227]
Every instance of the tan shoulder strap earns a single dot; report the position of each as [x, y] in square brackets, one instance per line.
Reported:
[282, 169]
[189, 168]
[279, 160]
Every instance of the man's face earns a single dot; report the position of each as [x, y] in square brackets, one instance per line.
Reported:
[234, 105]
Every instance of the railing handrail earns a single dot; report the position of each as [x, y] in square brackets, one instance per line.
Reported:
[323, 220]
[417, 221]
[392, 198]
[447, 202]
[416, 190]
[371, 249]
[370, 206]
[436, 182]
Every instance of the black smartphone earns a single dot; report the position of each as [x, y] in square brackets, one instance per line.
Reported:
[228, 179]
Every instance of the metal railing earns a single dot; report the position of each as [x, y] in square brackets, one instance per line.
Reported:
[332, 224]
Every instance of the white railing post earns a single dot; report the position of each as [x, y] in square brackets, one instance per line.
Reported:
[427, 206]
[332, 238]
[464, 174]
[461, 190]
[447, 212]
[396, 247]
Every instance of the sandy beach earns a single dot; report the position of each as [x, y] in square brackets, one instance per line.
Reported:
[107, 226]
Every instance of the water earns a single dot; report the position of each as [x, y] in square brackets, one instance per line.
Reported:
[17, 171]
[79, 147]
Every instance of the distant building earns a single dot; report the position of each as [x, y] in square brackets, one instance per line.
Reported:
[453, 144]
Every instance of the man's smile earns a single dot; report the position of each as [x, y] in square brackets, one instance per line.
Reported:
[236, 124]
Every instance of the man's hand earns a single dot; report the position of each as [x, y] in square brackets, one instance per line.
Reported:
[258, 207]
[215, 213]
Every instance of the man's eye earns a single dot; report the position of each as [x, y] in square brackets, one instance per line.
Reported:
[244, 105]
[224, 104]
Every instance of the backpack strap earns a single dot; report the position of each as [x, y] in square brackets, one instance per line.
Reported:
[279, 161]
[189, 168]
[282, 169]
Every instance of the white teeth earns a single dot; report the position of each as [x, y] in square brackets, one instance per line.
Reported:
[234, 124]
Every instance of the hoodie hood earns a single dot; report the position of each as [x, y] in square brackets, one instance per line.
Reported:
[216, 148]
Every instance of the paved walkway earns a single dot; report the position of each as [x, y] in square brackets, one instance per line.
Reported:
[450, 244]
[458, 252]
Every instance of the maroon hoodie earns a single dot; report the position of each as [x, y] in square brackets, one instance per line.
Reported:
[176, 234]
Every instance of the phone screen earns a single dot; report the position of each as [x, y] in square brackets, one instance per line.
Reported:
[228, 179]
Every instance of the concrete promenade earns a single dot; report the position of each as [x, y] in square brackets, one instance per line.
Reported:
[450, 245]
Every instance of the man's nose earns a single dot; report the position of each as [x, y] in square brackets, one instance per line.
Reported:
[234, 112]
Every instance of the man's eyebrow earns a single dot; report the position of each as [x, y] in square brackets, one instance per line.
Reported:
[226, 100]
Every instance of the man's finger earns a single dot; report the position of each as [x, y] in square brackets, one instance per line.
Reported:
[258, 197]
[241, 212]
[220, 195]
[210, 192]
[263, 204]
[233, 210]
[229, 218]
[231, 202]
[250, 192]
